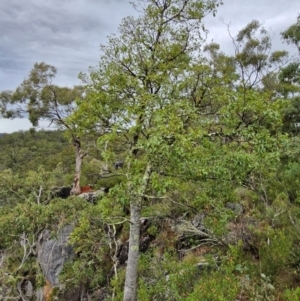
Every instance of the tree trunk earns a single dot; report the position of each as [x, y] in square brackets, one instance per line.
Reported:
[79, 156]
[130, 289]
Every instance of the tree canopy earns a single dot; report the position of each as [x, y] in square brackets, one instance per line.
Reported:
[196, 153]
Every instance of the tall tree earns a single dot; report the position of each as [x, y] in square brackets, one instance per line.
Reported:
[38, 98]
[138, 93]
[179, 116]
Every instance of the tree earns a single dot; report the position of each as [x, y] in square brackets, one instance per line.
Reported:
[180, 119]
[138, 95]
[192, 126]
[37, 97]
[292, 34]
[253, 56]
[289, 78]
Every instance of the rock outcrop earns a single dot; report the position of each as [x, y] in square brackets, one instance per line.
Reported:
[53, 253]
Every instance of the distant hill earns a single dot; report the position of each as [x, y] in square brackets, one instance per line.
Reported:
[23, 151]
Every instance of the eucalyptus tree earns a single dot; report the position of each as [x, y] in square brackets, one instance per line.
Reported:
[253, 55]
[292, 34]
[38, 98]
[289, 79]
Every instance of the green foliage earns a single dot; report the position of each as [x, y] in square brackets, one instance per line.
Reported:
[196, 129]
[275, 254]
[23, 151]
[203, 124]
[292, 34]
[291, 294]
[20, 227]
[32, 218]
[38, 97]
[172, 281]
[221, 286]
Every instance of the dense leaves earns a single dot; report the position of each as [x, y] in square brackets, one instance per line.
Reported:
[198, 149]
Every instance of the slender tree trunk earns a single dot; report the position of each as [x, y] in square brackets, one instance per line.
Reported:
[79, 156]
[130, 289]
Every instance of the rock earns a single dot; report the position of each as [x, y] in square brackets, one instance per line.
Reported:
[144, 243]
[100, 295]
[118, 164]
[241, 231]
[25, 289]
[237, 208]
[123, 253]
[53, 253]
[28, 288]
[91, 196]
[61, 192]
[198, 221]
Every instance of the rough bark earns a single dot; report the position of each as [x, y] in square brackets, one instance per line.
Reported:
[130, 288]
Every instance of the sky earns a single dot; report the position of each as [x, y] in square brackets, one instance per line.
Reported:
[67, 34]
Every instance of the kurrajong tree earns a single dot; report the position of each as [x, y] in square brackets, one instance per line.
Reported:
[181, 117]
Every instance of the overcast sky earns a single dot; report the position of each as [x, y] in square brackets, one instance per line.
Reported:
[67, 34]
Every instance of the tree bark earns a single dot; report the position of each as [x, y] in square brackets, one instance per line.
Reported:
[79, 156]
[130, 288]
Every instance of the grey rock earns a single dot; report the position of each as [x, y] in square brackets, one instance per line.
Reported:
[28, 288]
[54, 252]
[25, 289]
[118, 164]
[198, 220]
[92, 196]
[237, 208]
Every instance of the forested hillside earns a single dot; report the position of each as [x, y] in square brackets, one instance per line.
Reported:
[23, 151]
[173, 173]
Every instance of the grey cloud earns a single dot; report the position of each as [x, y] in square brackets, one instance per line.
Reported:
[57, 32]
[275, 15]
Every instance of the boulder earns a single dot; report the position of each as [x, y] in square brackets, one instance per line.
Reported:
[52, 253]
[92, 196]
